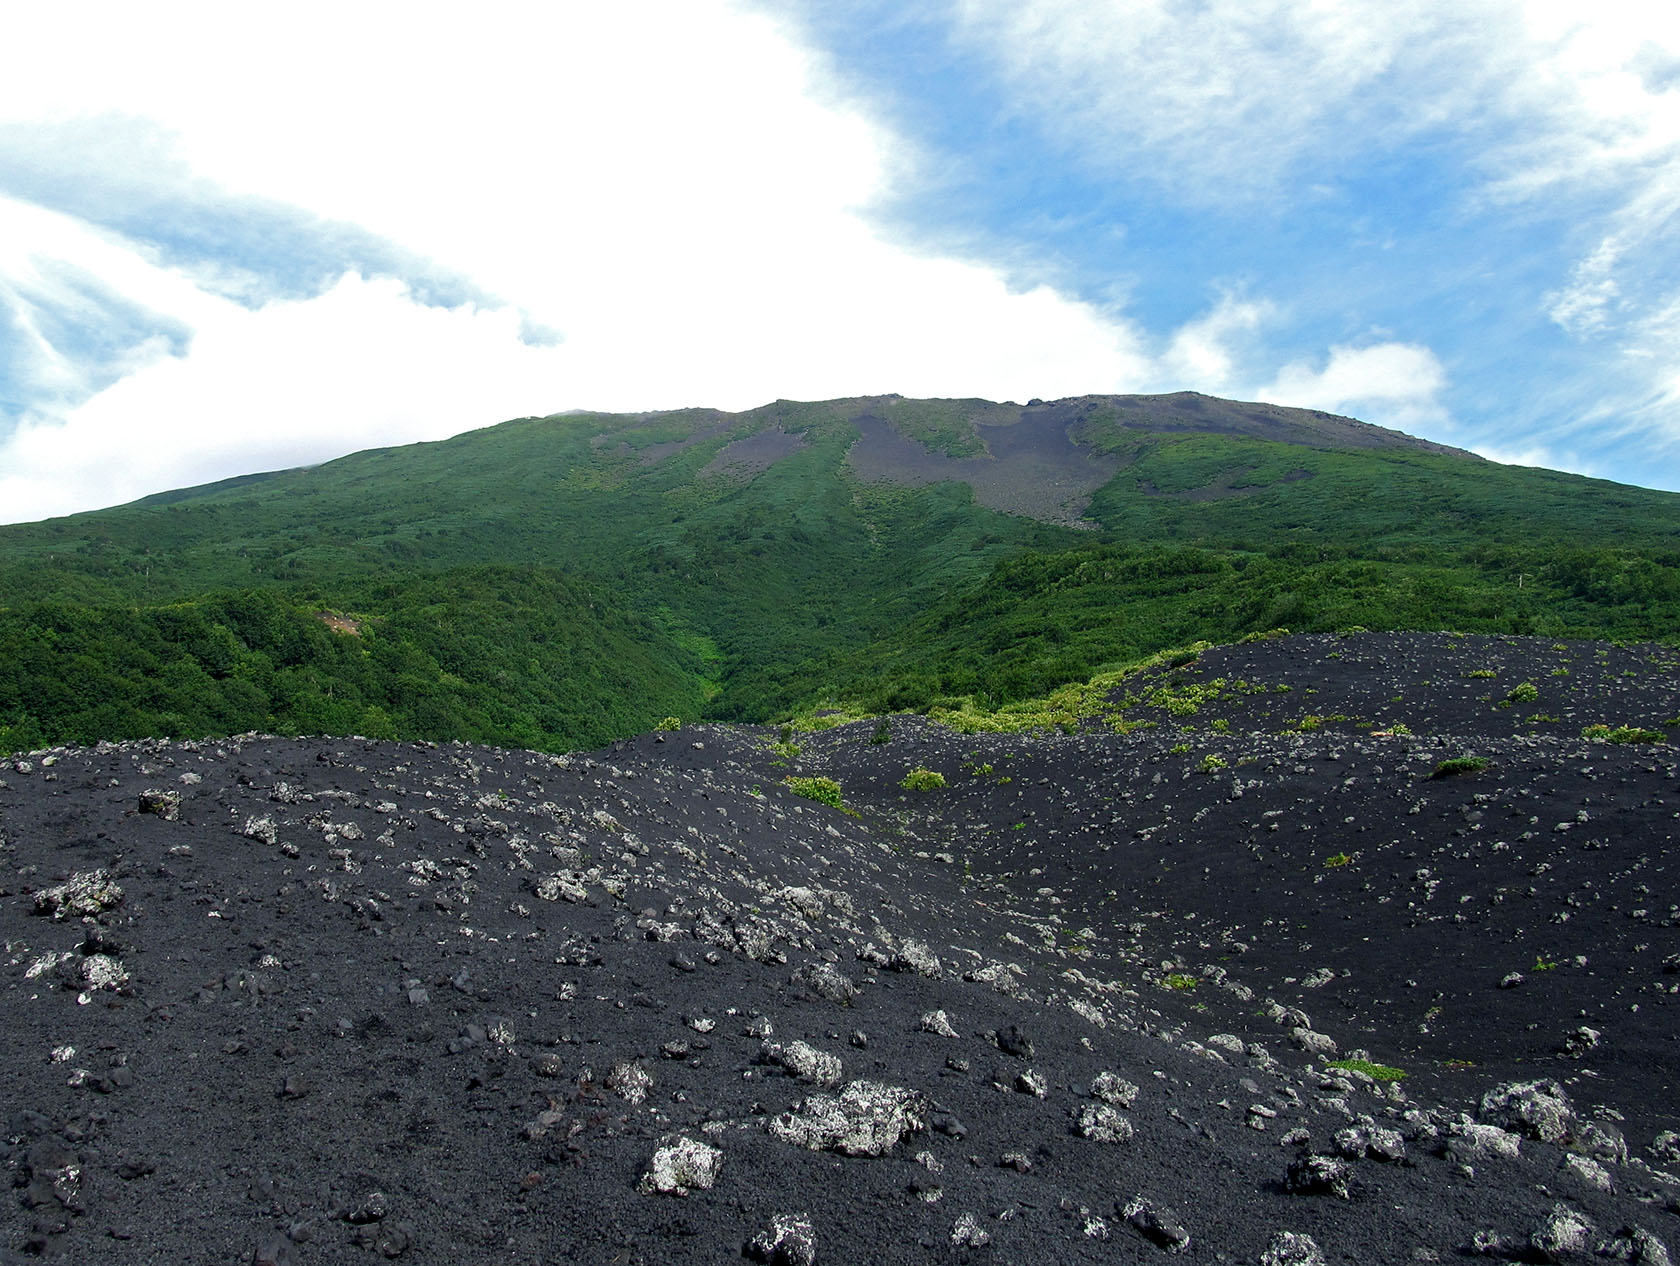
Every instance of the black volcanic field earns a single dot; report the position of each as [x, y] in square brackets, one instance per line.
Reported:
[341, 1001]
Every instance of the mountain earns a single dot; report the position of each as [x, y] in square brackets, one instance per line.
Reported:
[559, 581]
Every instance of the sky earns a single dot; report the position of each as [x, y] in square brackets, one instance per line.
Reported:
[237, 238]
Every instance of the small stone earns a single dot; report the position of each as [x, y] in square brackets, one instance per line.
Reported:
[789, 1240]
[1101, 1124]
[1160, 1226]
[937, 1022]
[1028, 1082]
[968, 1233]
[1290, 1248]
[1318, 1175]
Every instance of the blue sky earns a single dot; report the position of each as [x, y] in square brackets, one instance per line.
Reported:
[229, 245]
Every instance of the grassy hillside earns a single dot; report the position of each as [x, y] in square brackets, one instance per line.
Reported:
[558, 581]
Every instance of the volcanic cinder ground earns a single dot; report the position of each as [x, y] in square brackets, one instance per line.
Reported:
[331, 1001]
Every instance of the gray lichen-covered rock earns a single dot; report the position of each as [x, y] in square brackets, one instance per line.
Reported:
[85, 894]
[1561, 1232]
[789, 1240]
[567, 885]
[1666, 1147]
[866, 1118]
[165, 804]
[968, 1233]
[1101, 1124]
[1159, 1225]
[1539, 1109]
[915, 957]
[1110, 1087]
[1602, 1141]
[1588, 1171]
[1314, 1175]
[804, 1061]
[939, 1023]
[682, 1166]
[1291, 1248]
[1472, 1139]
[828, 982]
[629, 1081]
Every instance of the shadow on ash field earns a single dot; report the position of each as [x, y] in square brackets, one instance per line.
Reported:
[272, 1000]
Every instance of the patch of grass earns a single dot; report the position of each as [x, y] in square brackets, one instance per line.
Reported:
[1542, 963]
[1336, 860]
[1481, 673]
[1212, 763]
[920, 779]
[1376, 1072]
[1181, 981]
[1457, 765]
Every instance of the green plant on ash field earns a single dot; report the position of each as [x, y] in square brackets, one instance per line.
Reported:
[822, 790]
[1459, 765]
[1376, 1072]
[920, 779]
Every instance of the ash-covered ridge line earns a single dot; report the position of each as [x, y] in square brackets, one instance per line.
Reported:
[333, 1000]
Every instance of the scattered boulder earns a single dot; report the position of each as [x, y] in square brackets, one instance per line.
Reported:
[86, 894]
[1112, 1088]
[939, 1023]
[828, 982]
[866, 1118]
[681, 1166]
[1290, 1248]
[1160, 1226]
[913, 956]
[1538, 1109]
[1314, 1175]
[803, 1061]
[1101, 1124]
[968, 1233]
[164, 804]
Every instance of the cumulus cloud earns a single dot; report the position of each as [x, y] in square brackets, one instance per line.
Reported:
[1393, 384]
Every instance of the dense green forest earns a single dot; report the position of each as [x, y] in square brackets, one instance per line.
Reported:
[557, 582]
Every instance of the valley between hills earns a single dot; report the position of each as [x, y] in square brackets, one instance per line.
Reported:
[879, 830]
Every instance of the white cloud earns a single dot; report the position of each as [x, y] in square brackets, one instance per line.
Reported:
[1393, 384]
[673, 188]
[1208, 351]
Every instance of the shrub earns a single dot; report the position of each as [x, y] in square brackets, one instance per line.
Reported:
[1181, 981]
[1336, 860]
[1212, 763]
[920, 779]
[822, 790]
[1528, 692]
[669, 723]
[1621, 734]
[1376, 1072]
[883, 732]
[1460, 765]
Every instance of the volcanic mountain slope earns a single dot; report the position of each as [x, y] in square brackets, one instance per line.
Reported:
[557, 582]
[1099, 998]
